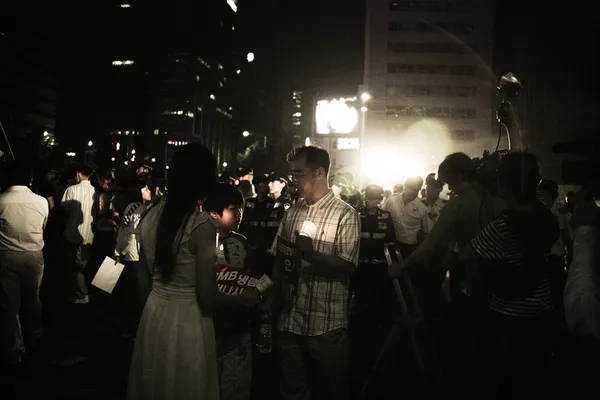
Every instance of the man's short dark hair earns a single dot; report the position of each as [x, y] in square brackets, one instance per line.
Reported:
[84, 169]
[373, 192]
[223, 196]
[457, 164]
[19, 173]
[316, 157]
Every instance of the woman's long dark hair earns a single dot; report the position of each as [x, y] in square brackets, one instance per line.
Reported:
[192, 175]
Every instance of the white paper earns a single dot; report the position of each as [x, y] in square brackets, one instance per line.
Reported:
[107, 276]
[263, 283]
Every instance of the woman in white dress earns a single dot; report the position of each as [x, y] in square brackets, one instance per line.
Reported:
[174, 355]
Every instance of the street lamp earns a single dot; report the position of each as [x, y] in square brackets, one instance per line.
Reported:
[46, 133]
[133, 151]
[250, 57]
[225, 165]
[364, 97]
[245, 134]
[90, 143]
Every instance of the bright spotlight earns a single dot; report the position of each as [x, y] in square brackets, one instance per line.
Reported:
[365, 97]
[112, 159]
[133, 151]
[225, 165]
[153, 159]
[386, 166]
[245, 134]
[250, 57]
[238, 71]
[90, 143]
[46, 133]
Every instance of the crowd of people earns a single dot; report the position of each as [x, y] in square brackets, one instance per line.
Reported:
[220, 270]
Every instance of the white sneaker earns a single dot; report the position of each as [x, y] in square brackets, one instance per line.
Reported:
[76, 300]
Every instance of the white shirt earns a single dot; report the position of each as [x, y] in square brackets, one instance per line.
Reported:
[79, 201]
[23, 216]
[582, 294]
[409, 219]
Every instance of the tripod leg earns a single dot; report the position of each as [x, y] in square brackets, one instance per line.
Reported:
[379, 362]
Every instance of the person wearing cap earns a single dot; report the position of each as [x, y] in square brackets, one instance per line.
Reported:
[143, 169]
[278, 185]
[245, 174]
[227, 177]
[372, 291]
[409, 215]
[261, 220]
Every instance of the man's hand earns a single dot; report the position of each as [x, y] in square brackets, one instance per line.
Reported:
[305, 245]
[250, 297]
[586, 212]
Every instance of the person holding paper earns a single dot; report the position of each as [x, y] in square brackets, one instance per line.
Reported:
[175, 353]
[316, 251]
[135, 284]
[232, 321]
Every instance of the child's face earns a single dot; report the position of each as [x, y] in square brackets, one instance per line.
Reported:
[230, 220]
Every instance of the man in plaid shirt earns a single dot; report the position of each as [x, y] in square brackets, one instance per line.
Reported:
[313, 270]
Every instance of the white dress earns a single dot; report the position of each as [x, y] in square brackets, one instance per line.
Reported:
[175, 352]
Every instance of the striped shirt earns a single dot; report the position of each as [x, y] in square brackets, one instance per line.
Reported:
[79, 200]
[127, 245]
[320, 305]
[508, 243]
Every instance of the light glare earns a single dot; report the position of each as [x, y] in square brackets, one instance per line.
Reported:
[336, 116]
[250, 57]
[232, 4]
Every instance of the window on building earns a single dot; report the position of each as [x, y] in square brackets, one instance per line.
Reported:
[435, 47]
[122, 63]
[430, 90]
[297, 114]
[432, 6]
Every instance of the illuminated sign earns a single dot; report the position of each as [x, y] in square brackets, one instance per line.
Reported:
[348, 144]
[232, 4]
[337, 116]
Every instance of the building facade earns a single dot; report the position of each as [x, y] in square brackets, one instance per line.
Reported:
[29, 81]
[164, 75]
[428, 71]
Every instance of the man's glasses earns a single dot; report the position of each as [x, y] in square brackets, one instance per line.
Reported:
[297, 175]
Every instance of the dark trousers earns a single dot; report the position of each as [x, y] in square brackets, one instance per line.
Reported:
[314, 367]
[235, 368]
[367, 336]
[78, 258]
[514, 359]
[461, 332]
[20, 307]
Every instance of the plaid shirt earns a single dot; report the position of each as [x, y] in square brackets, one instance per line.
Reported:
[320, 305]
